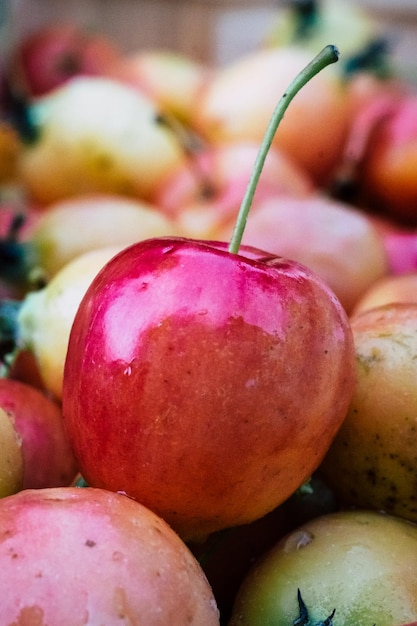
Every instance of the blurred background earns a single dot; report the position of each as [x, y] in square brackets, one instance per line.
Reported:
[210, 30]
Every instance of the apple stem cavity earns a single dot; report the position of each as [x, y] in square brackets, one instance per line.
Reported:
[328, 55]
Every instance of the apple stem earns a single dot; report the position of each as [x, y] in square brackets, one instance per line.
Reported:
[327, 56]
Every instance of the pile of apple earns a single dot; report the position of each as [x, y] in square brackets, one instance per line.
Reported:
[209, 417]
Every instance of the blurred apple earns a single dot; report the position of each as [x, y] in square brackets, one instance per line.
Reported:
[85, 222]
[314, 23]
[10, 147]
[397, 288]
[96, 135]
[49, 56]
[400, 244]
[207, 190]
[386, 175]
[371, 102]
[334, 239]
[172, 79]
[240, 97]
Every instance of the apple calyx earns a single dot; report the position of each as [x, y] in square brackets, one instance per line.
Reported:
[374, 57]
[9, 311]
[18, 260]
[304, 620]
[328, 55]
[307, 18]
[18, 112]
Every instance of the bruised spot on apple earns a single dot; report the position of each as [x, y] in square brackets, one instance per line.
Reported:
[206, 385]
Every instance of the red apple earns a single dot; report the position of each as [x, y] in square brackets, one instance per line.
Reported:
[76, 556]
[48, 57]
[188, 381]
[47, 457]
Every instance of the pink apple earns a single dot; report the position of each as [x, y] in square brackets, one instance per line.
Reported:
[76, 556]
[400, 244]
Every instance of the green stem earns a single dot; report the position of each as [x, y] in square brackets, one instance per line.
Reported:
[329, 54]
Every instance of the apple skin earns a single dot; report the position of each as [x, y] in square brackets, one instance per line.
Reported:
[391, 288]
[188, 381]
[47, 458]
[75, 556]
[360, 563]
[46, 315]
[372, 461]
[11, 461]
